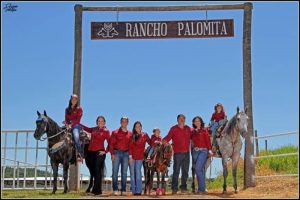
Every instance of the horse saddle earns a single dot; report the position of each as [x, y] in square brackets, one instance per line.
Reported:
[57, 146]
[219, 130]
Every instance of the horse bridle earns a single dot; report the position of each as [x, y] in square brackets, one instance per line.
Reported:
[45, 129]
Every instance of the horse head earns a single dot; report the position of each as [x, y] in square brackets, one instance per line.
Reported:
[165, 152]
[41, 125]
[242, 121]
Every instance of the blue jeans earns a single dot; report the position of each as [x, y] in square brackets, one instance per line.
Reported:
[121, 158]
[181, 161]
[76, 136]
[214, 127]
[150, 151]
[200, 158]
[136, 176]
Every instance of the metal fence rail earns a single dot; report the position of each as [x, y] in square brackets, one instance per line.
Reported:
[10, 161]
[276, 155]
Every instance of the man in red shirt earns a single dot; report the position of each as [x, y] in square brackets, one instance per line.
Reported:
[118, 147]
[180, 135]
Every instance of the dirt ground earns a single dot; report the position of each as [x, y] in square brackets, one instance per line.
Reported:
[283, 187]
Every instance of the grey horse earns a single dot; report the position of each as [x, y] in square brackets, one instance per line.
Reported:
[230, 144]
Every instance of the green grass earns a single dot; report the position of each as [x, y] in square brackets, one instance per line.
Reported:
[41, 194]
[286, 164]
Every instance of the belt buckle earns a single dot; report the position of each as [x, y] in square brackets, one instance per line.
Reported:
[196, 148]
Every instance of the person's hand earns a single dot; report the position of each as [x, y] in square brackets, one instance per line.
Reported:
[210, 153]
[101, 153]
[112, 157]
[130, 160]
[164, 142]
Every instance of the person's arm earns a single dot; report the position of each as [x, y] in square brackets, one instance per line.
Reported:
[112, 143]
[87, 129]
[148, 140]
[207, 140]
[169, 136]
[78, 117]
[107, 138]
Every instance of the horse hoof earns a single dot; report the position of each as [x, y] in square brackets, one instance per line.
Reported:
[236, 191]
[53, 192]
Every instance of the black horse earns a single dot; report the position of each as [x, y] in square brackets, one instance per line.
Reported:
[164, 154]
[61, 147]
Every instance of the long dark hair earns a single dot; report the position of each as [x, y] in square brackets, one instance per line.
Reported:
[201, 120]
[135, 134]
[69, 108]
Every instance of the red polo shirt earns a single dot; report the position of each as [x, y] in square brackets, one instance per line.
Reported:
[74, 117]
[180, 137]
[137, 148]
[154, 139]
[218, 116]
[119, 140]
[98, 136]
[201, 139]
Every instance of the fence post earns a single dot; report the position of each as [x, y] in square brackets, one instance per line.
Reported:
[249, 165]
[75, 170]
[256, 144]
[266, 145]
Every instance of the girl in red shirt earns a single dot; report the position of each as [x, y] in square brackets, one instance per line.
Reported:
[218, 119]
[73, 114]
[155, 139]
[136, 155]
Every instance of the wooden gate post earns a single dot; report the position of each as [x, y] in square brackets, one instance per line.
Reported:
[74, 183]
[249, 165]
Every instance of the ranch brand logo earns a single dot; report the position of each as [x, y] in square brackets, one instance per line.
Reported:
[160, 30]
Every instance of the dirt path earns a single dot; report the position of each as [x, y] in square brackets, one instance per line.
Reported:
[286, 187]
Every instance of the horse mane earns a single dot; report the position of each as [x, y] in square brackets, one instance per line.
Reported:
[230, 125]
[53, 125]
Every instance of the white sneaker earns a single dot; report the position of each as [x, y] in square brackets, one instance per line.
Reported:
[123, 193]
[115, 193]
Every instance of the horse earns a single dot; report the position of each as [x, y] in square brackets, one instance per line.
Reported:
[61, 147]
[230, 144]
[164, 154]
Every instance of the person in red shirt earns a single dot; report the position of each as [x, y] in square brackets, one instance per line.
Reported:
[218, 119]
[201, 146]
[136, 156]
[73, 114]
[180, 134]
[155, 139]
[96, 153]
[118, 147]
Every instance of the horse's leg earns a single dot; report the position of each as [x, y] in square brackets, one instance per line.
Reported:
[158, 180]
[225, 172]
[163, 183]
[65, 174]
[193, 177]
[235, 160]
[151, 181]
[55, 172]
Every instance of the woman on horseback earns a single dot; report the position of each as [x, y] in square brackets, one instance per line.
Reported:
[218, 119]
[136, 156]
[73, 114]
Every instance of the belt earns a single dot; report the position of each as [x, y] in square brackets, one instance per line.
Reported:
[199, 149]
[120, 150]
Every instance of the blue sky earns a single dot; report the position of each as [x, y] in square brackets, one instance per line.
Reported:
[148, 80]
